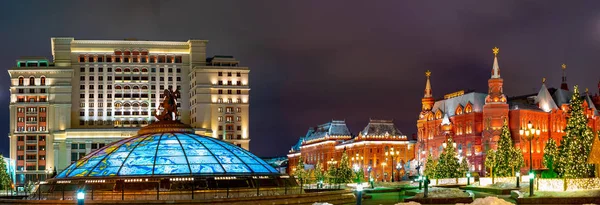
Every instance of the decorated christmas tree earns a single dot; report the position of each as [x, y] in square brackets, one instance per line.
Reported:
[448, 166]
[490, 161]
[4, 177]
[508, 158]
[344, 172]
[464, 167]
[332, 174]
[300, 173]
[319, 173]
[430, 167]
[576, 144]
[550, 159]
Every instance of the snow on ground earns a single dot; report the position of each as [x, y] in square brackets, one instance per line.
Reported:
[490, 200]
[581, 193]
[443, 193]
[324, 203]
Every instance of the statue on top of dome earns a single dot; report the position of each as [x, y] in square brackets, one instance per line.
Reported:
[169, 106]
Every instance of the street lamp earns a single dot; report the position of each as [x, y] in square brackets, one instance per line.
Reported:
[530, 134]
[518, 174]
[80, 197]
[468, 178]
[48, 172]
[391, 153]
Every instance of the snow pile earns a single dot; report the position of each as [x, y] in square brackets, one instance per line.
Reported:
[443, 193]
[490, 200]
[409, 203]
[324, 203]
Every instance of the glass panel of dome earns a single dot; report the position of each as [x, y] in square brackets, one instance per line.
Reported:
[258, 168]
[143, 153]
[78, 173]
[236, 168]
[131, 161]
[249, 160]
[171, 169]
[220, 152]
[197, 152]
[192, 145]
[169, 152]
[212, 145]
[135, 170]
[171, 160]
[90, 164]
[66, 171]
[228, 159]
[206, 168]
[104, 171]
[201, 159]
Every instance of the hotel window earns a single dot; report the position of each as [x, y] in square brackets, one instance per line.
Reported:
[170, 70]
[239, 92]
[91, 104]
[91, 69]
[91, 86]
[220, 73]
[229, 92]
[220, 109]
[118, 59]
[220, 82]
[32, 81]
[229, 74]
[238, 118]
[238, 74]
[109, 70]
[43, 81]
[100, 70]
[100, 59]
[228, 109]
[21, 90]
[91, 59]
[81, 104]
[239, 128]
[21, 80]
[220, 127]
[220, 119]
[229, 82]
[178, 78]
[100, 87]
[178, 59]
[91, 95]
[229, 118]
[42, 90]
[100, 78]
[81, 59]
[220, 100]
[108, 60]
[178, 70]
[82, 70]
[170, 78]
[229, 100]
[220, 91]
[169, 60]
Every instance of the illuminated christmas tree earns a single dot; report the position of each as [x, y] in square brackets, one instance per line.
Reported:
[490, 161]
[464, 167]
[430, 167]
[319, 173]
[4, 177]
[300, 173]
[550, 158]
[575, 146]
[508, 158]
[448, 166]
[344, 172]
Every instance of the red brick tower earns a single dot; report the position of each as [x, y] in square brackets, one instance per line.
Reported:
[495, 110]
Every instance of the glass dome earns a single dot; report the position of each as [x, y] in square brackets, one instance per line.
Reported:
[161, 154]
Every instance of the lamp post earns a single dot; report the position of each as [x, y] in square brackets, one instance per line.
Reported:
[391, 153]
[518, 174]
[530, 134]
[468, 178]
[48, 172]
[383, 164]
[80, 197]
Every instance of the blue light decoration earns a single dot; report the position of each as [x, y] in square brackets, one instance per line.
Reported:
[161, 154]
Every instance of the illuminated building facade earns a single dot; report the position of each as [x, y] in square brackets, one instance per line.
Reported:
[95, 92]
[326, 143]
[474, 120]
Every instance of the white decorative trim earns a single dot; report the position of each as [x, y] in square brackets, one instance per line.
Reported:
[108, 42]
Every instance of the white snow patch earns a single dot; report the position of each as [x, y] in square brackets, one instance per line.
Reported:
[409, 203]
[490, 200]
[443, 193]
[324, 203]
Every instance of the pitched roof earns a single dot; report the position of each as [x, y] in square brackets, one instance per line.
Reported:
[333, 128]
[590, 103]
[381, 128]
[544, 100]
[561, 97]
[449, 105]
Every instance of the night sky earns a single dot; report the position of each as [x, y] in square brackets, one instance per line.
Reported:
[313, 61]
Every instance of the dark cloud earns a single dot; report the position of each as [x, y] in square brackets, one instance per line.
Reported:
[316, 60]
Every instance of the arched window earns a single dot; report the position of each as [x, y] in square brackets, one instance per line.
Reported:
[126, 105]
[127, 87]
[21, 81]
[117, 105]
[135, 105]
[469, 108]
[118, 70]
[43, 81]
[127, 70]
[136, 70]
[438, 114]
[118, 87]
[459, 110]
[31, 81]
[135, 87]
[144, 69]
[144, 104]
[144, 87]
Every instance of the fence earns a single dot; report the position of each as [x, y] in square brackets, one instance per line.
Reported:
[567, 184]
[485, 181]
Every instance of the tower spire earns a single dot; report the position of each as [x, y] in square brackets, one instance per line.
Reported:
[564, 85]
[427, 100]
[495, 67]
[427, 85]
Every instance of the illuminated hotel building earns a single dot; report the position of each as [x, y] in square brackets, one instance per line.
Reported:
[325, 144]
[95, 92]
[474, 120]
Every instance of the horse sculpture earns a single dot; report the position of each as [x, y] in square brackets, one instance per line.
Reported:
[169, 106]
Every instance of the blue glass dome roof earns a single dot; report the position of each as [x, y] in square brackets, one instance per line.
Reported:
[161, 154]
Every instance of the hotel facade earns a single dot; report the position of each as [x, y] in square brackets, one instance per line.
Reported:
[380, 149]
[474, 120]
[95, 92]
